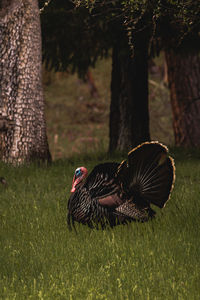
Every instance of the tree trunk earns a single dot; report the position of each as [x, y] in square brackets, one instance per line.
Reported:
[184, 79]
[129, 114]
[22, 122]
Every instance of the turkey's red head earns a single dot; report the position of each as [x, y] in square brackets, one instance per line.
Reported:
[79, 175]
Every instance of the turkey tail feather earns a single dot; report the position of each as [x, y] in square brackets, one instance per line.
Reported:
[148, 174]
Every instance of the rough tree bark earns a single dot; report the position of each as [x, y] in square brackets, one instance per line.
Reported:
[129, 113]
[22, 122]
[184, 79]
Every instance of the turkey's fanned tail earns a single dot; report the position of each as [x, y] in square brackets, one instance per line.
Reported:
[148, 174]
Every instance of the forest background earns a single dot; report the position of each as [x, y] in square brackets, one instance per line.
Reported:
[77, 111]
[75, 36]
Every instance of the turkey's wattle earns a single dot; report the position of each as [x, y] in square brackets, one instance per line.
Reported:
[116, 193]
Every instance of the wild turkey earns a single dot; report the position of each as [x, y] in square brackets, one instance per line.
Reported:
[116, 193]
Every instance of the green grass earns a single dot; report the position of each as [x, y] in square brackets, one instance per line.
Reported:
[42, 259]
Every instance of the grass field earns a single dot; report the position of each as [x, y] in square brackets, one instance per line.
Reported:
[42, 259]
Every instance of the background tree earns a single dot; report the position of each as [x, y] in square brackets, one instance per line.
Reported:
[74, 38]
[184, 78]
[22, 123]
[175, 29]
[148, 27]
[129, 113]
[182, 45]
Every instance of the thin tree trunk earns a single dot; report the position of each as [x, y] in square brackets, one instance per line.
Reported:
[184, 84]
[129, 114]
[22, 122]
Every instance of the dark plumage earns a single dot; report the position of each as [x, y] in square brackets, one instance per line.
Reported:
[116, 193]
[3, 181]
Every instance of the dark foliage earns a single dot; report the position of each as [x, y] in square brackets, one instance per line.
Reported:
[75, 35]
[73, 38]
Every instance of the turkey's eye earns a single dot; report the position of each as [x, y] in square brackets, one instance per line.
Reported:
[78, 173]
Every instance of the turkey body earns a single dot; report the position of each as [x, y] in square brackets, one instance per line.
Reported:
[117, 193]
